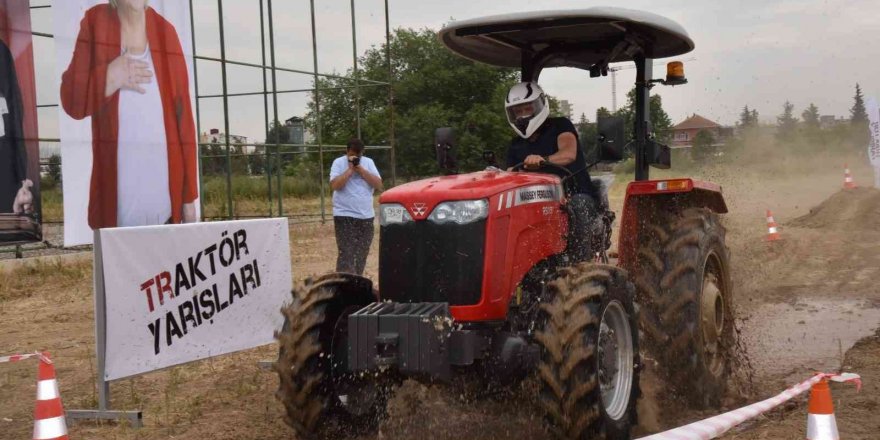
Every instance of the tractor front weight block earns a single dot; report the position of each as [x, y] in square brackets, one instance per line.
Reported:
[413, 338]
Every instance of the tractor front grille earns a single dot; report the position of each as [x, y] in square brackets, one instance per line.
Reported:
[425, 262]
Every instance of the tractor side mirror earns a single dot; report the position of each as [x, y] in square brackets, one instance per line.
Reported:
[611, 138]
[444, 147]
[659, 155]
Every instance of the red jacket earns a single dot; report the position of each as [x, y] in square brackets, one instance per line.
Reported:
[82, 95]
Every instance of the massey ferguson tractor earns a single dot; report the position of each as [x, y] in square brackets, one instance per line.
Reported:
[477, 274]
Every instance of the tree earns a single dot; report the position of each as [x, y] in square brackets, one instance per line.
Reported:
[53, 173]
[257, 161]
[581, 126]
[659, 119]
[213, 159]
[555, 111]
[55, 167]
[703, 149]
[278, 133]
[748, 118]
[587, 131]
[745, 118]
[786, 123]
[857, 114]
[432, 88]
[602, 112]
[811, 116]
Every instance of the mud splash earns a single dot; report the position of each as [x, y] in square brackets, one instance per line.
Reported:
[421, 411]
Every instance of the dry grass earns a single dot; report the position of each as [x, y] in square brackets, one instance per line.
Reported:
[51, 275]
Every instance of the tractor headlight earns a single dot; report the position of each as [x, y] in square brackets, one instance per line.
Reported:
[393, 214]
[461, 212]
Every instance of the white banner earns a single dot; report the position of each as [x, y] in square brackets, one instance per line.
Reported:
[874, 143]
[874, 127]
[178, 293]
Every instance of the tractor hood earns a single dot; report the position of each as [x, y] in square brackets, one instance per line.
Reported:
[422, 196]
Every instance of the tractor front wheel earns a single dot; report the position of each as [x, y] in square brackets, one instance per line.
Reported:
[590, 354]
[312, 361]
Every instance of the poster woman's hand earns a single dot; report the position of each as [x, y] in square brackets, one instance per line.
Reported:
[24, 199]
[126, 73]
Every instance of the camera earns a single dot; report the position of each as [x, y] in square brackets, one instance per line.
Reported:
[355, 161]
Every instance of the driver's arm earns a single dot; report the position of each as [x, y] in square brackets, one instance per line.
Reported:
[567, 153]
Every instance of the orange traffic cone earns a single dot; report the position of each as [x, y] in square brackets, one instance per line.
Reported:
[821, 424]
[49, 422]
[848, 182]
[772, 228]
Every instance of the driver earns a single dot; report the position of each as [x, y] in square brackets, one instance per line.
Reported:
[544, 139]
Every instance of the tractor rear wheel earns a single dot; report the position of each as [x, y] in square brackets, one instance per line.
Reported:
[312, 360]
[687, 308]
[590, 354]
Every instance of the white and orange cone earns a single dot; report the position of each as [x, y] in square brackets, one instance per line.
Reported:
[821, 424]
[49, 422]
[848, 182]
[772, 228]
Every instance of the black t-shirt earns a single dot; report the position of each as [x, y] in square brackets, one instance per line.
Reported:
[546, 144]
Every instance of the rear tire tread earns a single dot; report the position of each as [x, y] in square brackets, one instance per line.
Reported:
[668, 296]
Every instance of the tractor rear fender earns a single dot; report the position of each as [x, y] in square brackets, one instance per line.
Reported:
[646, 198]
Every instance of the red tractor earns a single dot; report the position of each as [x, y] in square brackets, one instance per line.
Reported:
[477, 275]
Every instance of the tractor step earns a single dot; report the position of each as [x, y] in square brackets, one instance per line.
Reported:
[415, 338]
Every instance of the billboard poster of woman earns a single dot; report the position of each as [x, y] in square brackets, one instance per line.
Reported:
[128, 136]
[19, 149]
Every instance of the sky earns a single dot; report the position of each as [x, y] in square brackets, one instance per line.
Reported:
[758, 53]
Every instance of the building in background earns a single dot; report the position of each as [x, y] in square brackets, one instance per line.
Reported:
[214, 136]
[565, 108]
[299, 133]
[830, 121]
[684, 132]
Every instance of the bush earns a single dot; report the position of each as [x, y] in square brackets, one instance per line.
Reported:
[703, 149]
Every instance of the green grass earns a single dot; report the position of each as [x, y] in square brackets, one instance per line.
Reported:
[52, 201]
[250, 196]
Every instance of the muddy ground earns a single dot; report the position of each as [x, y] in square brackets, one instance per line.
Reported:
[802, 304]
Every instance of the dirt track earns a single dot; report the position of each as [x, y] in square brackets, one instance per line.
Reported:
[796, 299]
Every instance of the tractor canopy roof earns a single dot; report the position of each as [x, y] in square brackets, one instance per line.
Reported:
[582, 38]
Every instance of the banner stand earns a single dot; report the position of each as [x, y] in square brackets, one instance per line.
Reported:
[103, 412]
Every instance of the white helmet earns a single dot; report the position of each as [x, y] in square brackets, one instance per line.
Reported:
[526, 107]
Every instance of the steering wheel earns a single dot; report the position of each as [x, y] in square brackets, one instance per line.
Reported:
[567, 176]
[544, 164]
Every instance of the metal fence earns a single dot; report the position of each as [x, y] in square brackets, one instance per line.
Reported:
[274, 154]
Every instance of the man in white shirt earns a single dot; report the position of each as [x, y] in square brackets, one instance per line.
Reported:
[353, 178]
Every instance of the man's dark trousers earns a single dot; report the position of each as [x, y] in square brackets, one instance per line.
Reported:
[353, 239]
